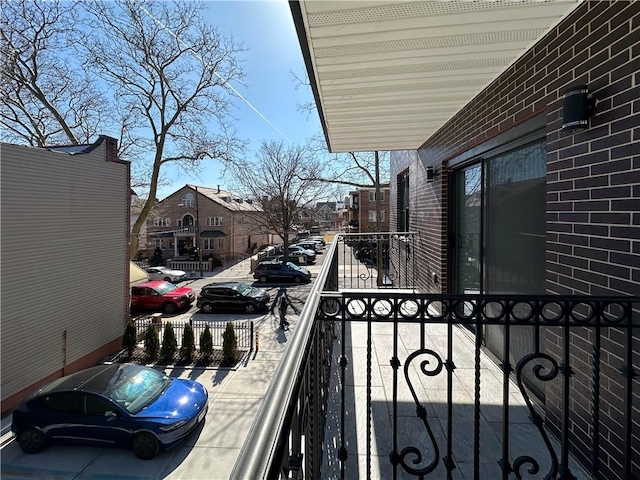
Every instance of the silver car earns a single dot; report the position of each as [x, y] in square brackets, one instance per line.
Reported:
[166, 274]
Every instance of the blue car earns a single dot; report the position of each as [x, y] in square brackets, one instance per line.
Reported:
[117, 405]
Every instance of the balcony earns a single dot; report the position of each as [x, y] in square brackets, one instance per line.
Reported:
[383, 381]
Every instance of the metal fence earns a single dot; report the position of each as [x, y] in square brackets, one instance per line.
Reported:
[243, 329]
[384, 403]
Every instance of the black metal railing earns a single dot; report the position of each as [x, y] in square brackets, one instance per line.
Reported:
[244, 330]
[398, 384]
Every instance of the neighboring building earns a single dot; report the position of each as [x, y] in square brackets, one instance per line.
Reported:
[65, 265]
[363, 212]
[324, 215]
[504, 198]
[228, 224]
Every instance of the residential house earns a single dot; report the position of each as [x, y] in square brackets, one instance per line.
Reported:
[324, 215]
[65, 266]
[514, 134]
[363, 213]
[222, 224]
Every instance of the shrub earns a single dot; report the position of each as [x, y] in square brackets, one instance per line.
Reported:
[169, 342]
[206, 342]
[188, 342]
[130, 338]
[229, 345]
[151, 341]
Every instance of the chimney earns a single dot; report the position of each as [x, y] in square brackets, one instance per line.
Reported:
[111, 146]
[218, 189]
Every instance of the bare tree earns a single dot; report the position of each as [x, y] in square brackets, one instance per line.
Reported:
[272, 181]
[171, 71]
[46, 98]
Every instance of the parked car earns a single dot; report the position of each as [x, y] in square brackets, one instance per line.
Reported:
[166, 274]
[297, 259]
[318, 239]
[309, 245]
[232, 296]
[310, 255]
[120, 405]
[161, 295]
[283, 272]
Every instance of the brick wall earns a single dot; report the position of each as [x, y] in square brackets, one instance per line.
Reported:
[593, 187]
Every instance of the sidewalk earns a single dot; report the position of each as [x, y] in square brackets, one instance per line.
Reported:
[210, 453]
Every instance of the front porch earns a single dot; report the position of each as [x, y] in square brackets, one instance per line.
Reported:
[385, 383]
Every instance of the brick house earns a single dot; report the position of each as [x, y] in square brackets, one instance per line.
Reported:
[65, 265]
[507, 195]
[362, 210]
[227, 224]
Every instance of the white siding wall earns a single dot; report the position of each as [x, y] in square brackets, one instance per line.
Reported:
[64, 261]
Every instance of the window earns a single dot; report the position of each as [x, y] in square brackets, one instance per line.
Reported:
[372, 216]
[96, 406]
[209, 243]
[241, 241]
[382, 215]
[213, 221]
[403, 202]
[161, 222]
[188, 200]
[159, 243]
[68, 402]
[372, 196]
[221, 243]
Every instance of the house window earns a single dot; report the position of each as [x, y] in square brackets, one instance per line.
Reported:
[188, 200]
[382, 215]
[161, 222]
[372, 216]
[209, 243]
[159, 243]
[372, 196]
[403, 202]
[221, 243]
[213, 221]
[241, 241]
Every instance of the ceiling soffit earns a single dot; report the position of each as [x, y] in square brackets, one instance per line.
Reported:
[387, 75]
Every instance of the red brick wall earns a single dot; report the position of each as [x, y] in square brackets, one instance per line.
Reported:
[593, 187]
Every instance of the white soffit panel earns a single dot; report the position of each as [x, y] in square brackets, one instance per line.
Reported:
[389, 74]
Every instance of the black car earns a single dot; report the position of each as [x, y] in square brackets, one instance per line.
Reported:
[282, 272]
[232, 296]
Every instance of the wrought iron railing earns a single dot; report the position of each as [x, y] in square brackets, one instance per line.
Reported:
[382, 383]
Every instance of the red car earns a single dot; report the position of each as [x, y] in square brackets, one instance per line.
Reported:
[161, 295]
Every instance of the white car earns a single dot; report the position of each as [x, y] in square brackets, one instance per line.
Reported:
[166, 274]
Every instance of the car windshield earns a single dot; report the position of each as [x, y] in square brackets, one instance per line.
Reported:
[135, 387]
[165, 287]
[243, 289]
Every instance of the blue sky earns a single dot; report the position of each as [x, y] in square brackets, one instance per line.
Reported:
[266, 30]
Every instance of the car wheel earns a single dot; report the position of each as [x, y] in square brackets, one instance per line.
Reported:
[170, 307]
[145, 446]
[31, 440]
[167, 279]
[263, 279]
[207, 308]
[250, 308]
[297, 279]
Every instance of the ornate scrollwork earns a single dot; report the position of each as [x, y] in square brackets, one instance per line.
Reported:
[545, 374]
[411, 456]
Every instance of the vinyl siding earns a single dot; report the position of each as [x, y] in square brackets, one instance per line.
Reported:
[64, 262]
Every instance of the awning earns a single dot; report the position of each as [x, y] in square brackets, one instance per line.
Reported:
[136, 275]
